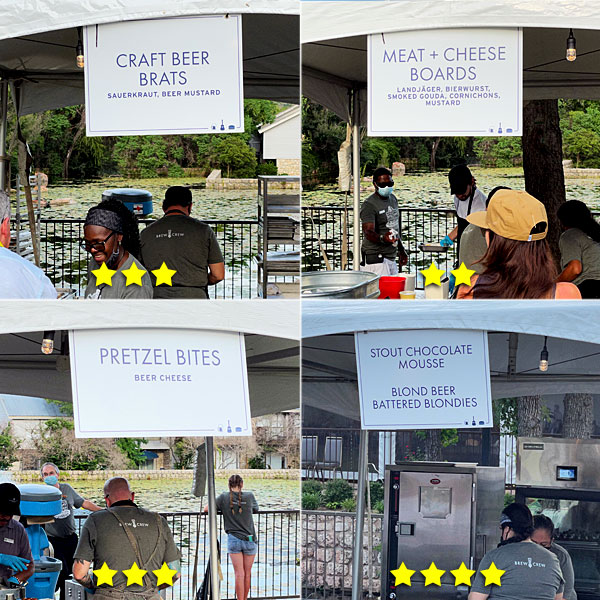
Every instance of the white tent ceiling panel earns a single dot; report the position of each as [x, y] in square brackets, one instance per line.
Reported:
[49, 15]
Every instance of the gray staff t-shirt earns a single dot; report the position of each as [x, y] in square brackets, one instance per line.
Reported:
[383, 212]
[186, 245]
[64, 522]
[104, 540]
[532, 573]
[576, 245]
[236, 521]
[566, 566]
[119, 288]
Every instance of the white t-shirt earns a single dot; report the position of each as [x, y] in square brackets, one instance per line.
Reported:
[20, 278]
[478, 204]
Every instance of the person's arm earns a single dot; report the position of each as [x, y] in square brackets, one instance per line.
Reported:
[571, 271]
[216, 273]
[557, 597]
[480, 596]
[453, 234]
[81, 572]
[370, 233]
[254, 504]
[89, 505]
[174, 565]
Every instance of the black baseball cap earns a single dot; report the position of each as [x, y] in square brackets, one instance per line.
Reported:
[460, 177]
[10, 499]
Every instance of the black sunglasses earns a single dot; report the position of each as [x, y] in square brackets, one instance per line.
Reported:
[97, 246]
[389, 183]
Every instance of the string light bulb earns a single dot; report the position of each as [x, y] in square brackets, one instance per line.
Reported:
[544, 357]
[571, 47]
[48, 342]
[79, 50]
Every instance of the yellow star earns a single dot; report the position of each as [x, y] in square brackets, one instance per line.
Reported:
[462, 275]
[433, 275]
[402, 575]
[493, 575]
[164, 274]
[103, 275]
[104, 575]
[462, 575]
[433, 575]
[164, 574]
[134, 275]
[134, 575]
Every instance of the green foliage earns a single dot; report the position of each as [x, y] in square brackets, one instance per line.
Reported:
[583, 146]
[336, 490]
[66, 408]
[348, 505]
[377, 492]
[266, 168]
[183, 453]
[8, 447]
[310, 501]
[449, 437]
[257, 462]
[232, 154]
[312, 486]
[55, 442]
[506, 416]
[131, 448]
[379, 507]
[508, 499]
[498, 152]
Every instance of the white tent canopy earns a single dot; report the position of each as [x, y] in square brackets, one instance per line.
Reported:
[334, 42]
[329, 364]
[271, 331]
[37, 48]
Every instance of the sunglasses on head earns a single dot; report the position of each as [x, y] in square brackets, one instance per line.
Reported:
[389, 183]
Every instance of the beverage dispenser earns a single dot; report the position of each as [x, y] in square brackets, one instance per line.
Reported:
[438, 512]
[39, 504]
[560, 478]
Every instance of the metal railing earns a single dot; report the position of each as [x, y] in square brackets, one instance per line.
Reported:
[276, 569]
[327, 541]
[323, 227]
[391, 447]
[65, 262]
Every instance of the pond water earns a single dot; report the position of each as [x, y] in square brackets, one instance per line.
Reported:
[174, 495]
[431, 190]
[208, 204]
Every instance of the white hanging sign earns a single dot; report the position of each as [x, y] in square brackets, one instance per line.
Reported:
[446, 82]
[164, 76]
[423, 379]
[159, 382]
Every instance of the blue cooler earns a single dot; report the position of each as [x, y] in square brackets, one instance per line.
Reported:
[139, 202]
[41, 501]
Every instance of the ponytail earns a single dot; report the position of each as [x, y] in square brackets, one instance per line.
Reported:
[235, 481]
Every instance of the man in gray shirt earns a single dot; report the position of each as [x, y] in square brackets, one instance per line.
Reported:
[61, 534]
[381, 247]
[127, 539]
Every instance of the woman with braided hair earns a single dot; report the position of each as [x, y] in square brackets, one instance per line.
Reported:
[527, 571]
[112, 237]
[237, 508]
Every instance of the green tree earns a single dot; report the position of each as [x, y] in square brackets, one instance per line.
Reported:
[131, 449]
[234, 155]
[8, 447]
[183, 453]
[583, 145]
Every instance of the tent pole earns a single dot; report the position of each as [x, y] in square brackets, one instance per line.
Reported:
[356, 179]
[357, 557]
[3, 128]
[212, 520]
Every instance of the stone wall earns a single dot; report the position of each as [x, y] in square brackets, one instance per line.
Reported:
[229, 183]
[327, 543]
[585, 173]
[34, 476]
[289, 166]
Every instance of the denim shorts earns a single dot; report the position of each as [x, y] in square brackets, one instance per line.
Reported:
[235, 546]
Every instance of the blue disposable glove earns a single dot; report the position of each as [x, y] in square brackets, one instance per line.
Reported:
[452, 284]
[14, 580]
[16, 563]
[446, 241]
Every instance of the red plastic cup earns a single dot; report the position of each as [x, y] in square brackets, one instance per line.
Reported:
[390, 287]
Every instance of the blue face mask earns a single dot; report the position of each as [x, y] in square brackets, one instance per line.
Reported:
[51, 479]
[385, 191]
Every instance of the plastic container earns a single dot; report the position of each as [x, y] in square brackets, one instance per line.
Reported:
[408, 295]
[137, 201]
[390, 287]
[40, 500]
[42, 584]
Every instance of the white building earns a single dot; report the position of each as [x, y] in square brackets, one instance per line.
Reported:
[281, 141]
